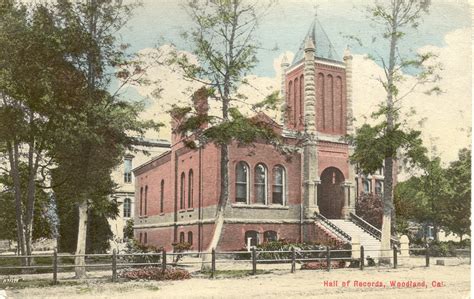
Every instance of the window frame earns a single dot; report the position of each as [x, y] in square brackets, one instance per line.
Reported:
[240, 183]
[190, 188]
[162, 196]
[182, 192]
[127, 208]
[282, 185]
[258, 185]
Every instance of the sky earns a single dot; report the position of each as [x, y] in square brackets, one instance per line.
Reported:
[445, 120]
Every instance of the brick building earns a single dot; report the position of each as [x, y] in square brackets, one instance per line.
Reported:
[272, 196]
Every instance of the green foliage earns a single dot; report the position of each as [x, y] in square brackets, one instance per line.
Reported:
[128, 230]
[133, 247]
[42, 226]
[375, 143]
[155, 273]
[370, 208]
[180, 248]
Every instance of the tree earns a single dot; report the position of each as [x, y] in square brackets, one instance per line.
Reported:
[369, 207]
[457, 218]
[378, 145]
[424, 197]
[104, 126]
[222, 37]
[32, 102]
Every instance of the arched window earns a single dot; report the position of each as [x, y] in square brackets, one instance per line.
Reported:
[270, 236]
[366, 185]
[301, 117]
[141, 201]
[241, 182]
[379, 187]
[181, 237]
[279, 188]
[127, 207]
[190, 189]
[127, 174]
[260, 184]
[252, 237]
[162, 196]
[181, 192]
[146, 200]
[145, 238]
[190, 238]
[296, 111]
[290, 102]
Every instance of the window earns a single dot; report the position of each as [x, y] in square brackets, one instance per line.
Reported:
[190, 238]
[380, 171]
[162, 195]
[127, 207]
[141, 201]
[252, 237]
[181, 192]
[278, 185]
[366, 186]
[260, 184]
[181, 237]
[141, 239]
[146, 200]
[190, 189]
[127, 174]
[241, 182]
[379, 187]
[269, 236]
[145, 239]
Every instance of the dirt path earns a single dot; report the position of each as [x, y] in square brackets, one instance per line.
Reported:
[439, 282]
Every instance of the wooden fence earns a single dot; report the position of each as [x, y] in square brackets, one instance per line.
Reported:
[113, 261]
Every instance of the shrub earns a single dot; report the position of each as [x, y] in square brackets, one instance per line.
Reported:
[134, 247]
[155, 273]
[179, 248]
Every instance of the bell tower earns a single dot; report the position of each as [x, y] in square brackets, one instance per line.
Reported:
[318, 101]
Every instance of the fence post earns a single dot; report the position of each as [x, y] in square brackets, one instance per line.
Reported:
[395, 258]
[55, 266]
[114, 265]
[213, 262]
[427, 255]
[254, 261]
[361, 257]
[328, 258]
[293, 260]
[163, 262]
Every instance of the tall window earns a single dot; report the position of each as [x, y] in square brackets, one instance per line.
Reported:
[379, 187]
[127, 207]
[145, 238]
[127, 174]
[141, 201]
[241, 182]
[162, 195]
[367, 187]
[146, 200]
[251, 236]
[278, 185]
[141, 238]
[190, 238]
[181, 192]
[260, 184]
[190, 189]
[181, 237]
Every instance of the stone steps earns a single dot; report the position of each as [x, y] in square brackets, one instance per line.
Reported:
[371, 244]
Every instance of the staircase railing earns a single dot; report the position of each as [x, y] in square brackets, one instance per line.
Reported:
[370, 229]
[333, 228]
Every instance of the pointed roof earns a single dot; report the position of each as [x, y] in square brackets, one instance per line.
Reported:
[324, 48]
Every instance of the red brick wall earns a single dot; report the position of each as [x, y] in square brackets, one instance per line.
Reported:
[295, 98]
[266, 154]
[333, 155]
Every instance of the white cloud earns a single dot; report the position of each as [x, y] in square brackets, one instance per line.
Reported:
[447, 116]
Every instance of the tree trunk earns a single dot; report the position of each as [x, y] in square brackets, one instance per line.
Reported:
[15, 173]
[387, 209]
[223, 198]
[80, 261]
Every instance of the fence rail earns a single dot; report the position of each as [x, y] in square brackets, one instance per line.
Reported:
[326, 259]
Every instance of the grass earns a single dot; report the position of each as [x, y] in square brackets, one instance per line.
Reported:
[35, 283]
